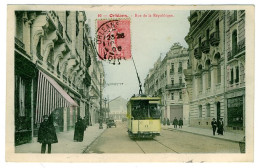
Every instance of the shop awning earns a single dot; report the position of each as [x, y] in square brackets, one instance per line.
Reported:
[50, 96]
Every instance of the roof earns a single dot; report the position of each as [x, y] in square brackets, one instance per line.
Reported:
[145, 98]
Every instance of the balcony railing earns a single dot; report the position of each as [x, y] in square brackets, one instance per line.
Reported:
[205, 46]
[214, 38]
[197, 53]
[240, 47]
[175, 86]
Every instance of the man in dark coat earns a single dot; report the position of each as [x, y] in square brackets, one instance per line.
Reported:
[214, 125]
[220, 127]
[175, 122]
[47, 133]
[79, 130]
[180, 123]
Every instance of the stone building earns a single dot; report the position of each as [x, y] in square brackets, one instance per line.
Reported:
[235, 72]
[52, 60]
[166, 80]
[97, 85]
[214, 71]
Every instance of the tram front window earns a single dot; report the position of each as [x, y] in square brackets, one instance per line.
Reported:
[154, 111]
[140, 111]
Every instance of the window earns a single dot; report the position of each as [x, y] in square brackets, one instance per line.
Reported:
[219, 74]
[200, 111]
[180, 95]
[217, 25]
[172, 96]
[207, 34]
[51, 56]
[234, 42]
[200, 83]
[172, 67]
[172, 81]
[208, 110]
[232, 76]
[209, 78]
[237, 74]
[38, 48]
[180, 80]
[180, 67]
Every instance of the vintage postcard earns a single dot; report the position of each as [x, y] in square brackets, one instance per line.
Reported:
[130, 83]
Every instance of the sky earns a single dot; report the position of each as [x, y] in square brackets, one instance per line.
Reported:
[150, 38]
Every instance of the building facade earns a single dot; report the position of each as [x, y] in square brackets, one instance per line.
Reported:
[235, 70]
[166, 80]
[211, 72]
[52, 61]
[97, 85]
[117, 108]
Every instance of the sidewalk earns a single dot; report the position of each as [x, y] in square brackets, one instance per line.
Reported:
[66, 143]
[230, 136]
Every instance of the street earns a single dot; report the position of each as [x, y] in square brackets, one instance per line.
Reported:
[116, 140]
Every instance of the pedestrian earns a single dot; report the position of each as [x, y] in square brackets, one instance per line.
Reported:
[175, 122]
[220, 127]
[47, 133]
[214, 125]
[164, 121]
[79, 130]
[168, 121]
[180, 123]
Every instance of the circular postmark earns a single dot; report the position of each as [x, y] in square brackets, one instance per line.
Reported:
[113, 40]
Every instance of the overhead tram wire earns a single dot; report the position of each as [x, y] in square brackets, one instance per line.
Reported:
[140, 83]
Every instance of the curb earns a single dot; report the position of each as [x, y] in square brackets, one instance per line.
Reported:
[214, 137]
[86, 148]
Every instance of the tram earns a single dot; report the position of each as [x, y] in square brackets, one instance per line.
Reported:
[143, 116]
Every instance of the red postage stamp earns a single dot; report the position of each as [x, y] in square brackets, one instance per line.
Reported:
[113, 39]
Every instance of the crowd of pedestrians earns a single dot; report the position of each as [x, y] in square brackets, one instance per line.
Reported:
[175, 122]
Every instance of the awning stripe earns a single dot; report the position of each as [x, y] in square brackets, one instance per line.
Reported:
[50, 96]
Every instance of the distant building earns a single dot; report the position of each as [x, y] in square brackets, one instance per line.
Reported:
[118, 108]
[166, 80]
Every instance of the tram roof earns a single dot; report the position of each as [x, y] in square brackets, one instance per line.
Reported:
[145, 98]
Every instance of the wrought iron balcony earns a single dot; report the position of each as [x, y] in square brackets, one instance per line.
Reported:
[205, 46]
[197, 53]
[176, 86]
[240, 47]
[214, 38]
